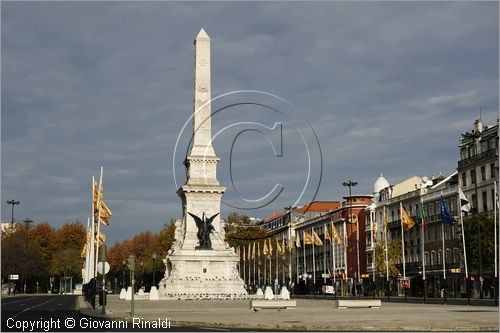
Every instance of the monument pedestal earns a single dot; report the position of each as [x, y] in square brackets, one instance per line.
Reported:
[202, 274]
[123, 292]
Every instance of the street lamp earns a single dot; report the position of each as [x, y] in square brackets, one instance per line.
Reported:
[13, 203]
[27, 222]
[351, 184]
[124, 262]
[154, 269]
[142, 272]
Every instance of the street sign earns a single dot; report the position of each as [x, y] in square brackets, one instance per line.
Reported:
[100, 267]
[328, 289]
[14, 277]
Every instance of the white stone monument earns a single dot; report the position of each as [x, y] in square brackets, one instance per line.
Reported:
[123, 292]
[200, 264]
[268, 293]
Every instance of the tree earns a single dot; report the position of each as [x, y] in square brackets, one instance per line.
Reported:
[393, 254]
[484, 223]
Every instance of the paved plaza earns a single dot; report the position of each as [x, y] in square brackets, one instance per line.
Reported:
[309, 315]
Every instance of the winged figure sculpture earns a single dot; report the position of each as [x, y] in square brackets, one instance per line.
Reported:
[205, 227]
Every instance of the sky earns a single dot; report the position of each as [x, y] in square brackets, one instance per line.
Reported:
[356, 89]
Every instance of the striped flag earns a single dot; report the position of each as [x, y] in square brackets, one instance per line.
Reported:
[424, 220]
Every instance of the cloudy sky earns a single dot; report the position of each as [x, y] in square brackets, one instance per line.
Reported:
[383, 87]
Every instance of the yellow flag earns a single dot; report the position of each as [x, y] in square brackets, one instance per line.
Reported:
[84, 251]
[283, 247]
[374, 230]
[327, 234]
[408, 222]
[253, 251]
[297, 240]
[265, 250]
[258, 250]
[105, 213]
[385, 221]
[316, 239]
[336, 234]
[244, 253]
[270, 247]
[308, 239]
[101, 239]
[278, 247]
[290, 246]
[249, 255]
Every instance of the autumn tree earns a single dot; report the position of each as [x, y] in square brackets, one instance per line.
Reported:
[479, 232]
[394, 254]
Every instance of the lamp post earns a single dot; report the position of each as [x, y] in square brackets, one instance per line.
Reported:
[124, 262]
[142, 272]
[12, 203]
[154, 269]
[27, 222]
[351, 184]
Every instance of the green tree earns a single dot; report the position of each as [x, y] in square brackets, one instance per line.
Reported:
[393, 254]
[483, 223]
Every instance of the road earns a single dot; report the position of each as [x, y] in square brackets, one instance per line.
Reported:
[59, 313]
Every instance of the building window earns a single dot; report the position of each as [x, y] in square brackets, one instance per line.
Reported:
[464, 179]
[448, 256]
[473, 176]
[483, 173]
[493, 170]
[456, 256]
[485, 201]
[463, 153]
[439, 257]
[433, 258]
[484, 146]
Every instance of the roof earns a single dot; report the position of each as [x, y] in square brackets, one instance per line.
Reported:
[319, 206]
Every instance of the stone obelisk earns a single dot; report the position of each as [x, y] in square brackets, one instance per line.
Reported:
[200, 263]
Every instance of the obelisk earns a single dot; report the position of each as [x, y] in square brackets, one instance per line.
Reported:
[200, 263]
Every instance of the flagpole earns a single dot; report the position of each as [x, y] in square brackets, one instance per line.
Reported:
[385, 250]
[463, 245]
[403, 242]
[270, 265]
[92, 238]
[334, 264]
[324, 256]
[297, 258]
[495, 200]
[345, 256]
[444, 250]
[314, 260]
[258, 265]
[254, 259]
[98, 219]
[422, 243]
[373, 252]
[304, 243]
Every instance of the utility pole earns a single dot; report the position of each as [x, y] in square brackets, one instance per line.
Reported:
[13, 203]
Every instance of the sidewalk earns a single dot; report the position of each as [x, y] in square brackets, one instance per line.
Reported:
[310, 315]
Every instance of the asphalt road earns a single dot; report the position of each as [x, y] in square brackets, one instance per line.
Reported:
[59, 313]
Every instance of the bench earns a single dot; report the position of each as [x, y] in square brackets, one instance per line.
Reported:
[358, 303]
[272, 304]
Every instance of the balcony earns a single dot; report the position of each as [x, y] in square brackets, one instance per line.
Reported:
[471, 160]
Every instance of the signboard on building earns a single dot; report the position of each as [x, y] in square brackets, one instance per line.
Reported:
[14, 277]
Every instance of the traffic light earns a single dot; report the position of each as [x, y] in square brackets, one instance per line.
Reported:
[131, 262]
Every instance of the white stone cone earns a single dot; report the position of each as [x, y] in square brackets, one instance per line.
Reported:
[128, 295]
[268, 294]
[153, 294]
[285, 294]
[123, 293]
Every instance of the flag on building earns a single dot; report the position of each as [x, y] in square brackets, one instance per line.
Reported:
[336, 234]
[308, 239]
[327, 234]
[283, 247]
[464, 202]
[258, 250]
[244, 253]
[265, 250]
[270, 247]
[248, 252]
[408, 222]
[385, 221]
[297, 240]
[424, 220]
[278, 247]
[316, 239]
[253, 251]
[445, 214]
[290, 245]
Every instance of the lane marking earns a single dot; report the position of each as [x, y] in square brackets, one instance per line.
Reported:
[31, 307]
[19, 300]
